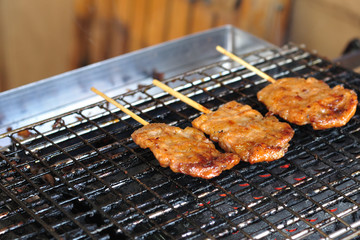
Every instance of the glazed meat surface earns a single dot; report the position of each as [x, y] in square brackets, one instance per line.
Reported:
[309, 101]
[240, 129]
[186, 151]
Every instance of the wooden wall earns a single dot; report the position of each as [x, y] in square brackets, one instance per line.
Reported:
[121, 26]
[41, 38]
[35, 40]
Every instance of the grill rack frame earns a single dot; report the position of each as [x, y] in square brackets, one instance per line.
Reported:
[196, 88]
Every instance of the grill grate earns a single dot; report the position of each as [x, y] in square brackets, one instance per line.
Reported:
[79, 175]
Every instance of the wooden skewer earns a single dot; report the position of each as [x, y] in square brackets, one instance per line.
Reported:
[182, 97]
[245, 64]
[125, 110]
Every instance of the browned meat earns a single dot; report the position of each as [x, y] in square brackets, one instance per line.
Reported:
[186, 151]
[303, 101]
[240, 129]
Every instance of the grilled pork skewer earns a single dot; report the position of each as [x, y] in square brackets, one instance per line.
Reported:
[304, 101]
[187, 150]
[309, 101]
[240, 129]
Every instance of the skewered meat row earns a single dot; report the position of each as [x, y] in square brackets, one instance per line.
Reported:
[240, 129]
[309, 101]
[186, 151]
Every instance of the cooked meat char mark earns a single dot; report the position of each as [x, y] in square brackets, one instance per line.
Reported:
[240, 129]
[186, 151]
[309, 101]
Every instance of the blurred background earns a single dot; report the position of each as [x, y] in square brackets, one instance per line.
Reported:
[42, 38]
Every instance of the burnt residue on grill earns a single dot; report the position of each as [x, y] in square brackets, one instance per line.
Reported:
[81, 176]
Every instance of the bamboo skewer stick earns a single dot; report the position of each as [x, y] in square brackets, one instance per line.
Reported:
[245, 64]
[182, 97]
[124, 109]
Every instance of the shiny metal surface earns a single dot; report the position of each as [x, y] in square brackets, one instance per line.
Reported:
[65, 92]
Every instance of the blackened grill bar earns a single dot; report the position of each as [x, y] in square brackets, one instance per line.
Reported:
[83, 177]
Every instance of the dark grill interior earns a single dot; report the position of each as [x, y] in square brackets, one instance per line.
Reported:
[80, 176]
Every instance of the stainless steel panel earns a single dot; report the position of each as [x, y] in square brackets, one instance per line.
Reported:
[68, 91]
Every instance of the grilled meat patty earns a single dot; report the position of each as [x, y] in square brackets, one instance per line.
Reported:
[309, 101]
[240, 129]
[186, 151]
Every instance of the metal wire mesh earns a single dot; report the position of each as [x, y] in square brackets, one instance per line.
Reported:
[79, 175]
